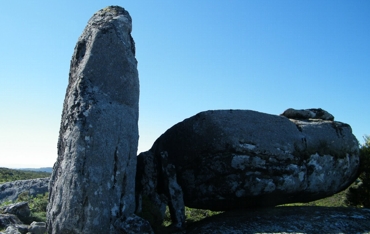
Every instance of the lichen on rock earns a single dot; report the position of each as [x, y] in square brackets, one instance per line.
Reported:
[238, 159]
[92, 187]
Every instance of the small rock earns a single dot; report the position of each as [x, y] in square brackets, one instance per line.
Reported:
[12, 230]
[37, 228]
[308, 114]
[8, 220]
[20, 209]
[22, 228]
[132, 225]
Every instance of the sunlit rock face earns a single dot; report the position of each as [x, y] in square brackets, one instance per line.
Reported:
[11, 190]
[232, 159]
[92, 185]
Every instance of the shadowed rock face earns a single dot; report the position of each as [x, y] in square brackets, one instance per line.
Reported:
[92, 185]
[232, 159]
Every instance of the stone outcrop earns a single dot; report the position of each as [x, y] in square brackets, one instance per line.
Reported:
[308, 114]
[92, 185]
[232, 159]
[10, 191]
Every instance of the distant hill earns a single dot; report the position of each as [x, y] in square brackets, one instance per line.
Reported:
[42, 169]
[7, 175]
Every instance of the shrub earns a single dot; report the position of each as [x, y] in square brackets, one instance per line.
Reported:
[37, 206]
[359, 193]
[8, 175]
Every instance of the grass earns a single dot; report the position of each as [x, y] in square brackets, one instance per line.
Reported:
[8, 175]
[191, 215]
[337, 200]
[195, 215]
[37, 203]
[37, 206]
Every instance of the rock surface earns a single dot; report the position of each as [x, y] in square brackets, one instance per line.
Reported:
[7, 220]
[11, 230]
[308, 114]
[37, 228]
[20, 209]
[9, 191]
[92, 185]
[286, 220]
[133, 224]
[230, 159]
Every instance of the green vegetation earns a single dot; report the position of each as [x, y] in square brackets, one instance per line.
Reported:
[151, 213]
[359, 194]
[192, 215]
[337, 200]
[37, 204]
[8, 175]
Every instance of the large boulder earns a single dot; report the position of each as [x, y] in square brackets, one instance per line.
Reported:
[92, 185]
[10, 191]
[232, 159]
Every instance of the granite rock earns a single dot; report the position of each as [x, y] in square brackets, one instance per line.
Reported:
[92, 184]
[10, 191]
[233, 159]
[7, 220]
[20, 209]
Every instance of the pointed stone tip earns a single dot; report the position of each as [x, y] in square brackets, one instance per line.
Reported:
[107, 15]
[115, 10]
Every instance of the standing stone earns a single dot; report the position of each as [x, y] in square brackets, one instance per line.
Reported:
[93, 182]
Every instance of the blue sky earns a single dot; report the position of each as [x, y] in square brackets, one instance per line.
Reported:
[192, 56]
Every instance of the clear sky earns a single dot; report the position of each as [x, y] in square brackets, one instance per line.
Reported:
[192, 56]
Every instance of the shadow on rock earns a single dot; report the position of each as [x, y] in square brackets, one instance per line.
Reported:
[288, 219]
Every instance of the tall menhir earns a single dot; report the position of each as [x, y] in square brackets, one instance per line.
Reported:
[93, 180]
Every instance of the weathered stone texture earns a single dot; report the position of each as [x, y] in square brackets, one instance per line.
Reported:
[10, 191]
[20, 209]
[7, 220]
[232, 159]
[93, 184]
[37, 227]
[313, 113]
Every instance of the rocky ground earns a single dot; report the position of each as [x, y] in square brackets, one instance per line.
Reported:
[288, 219]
